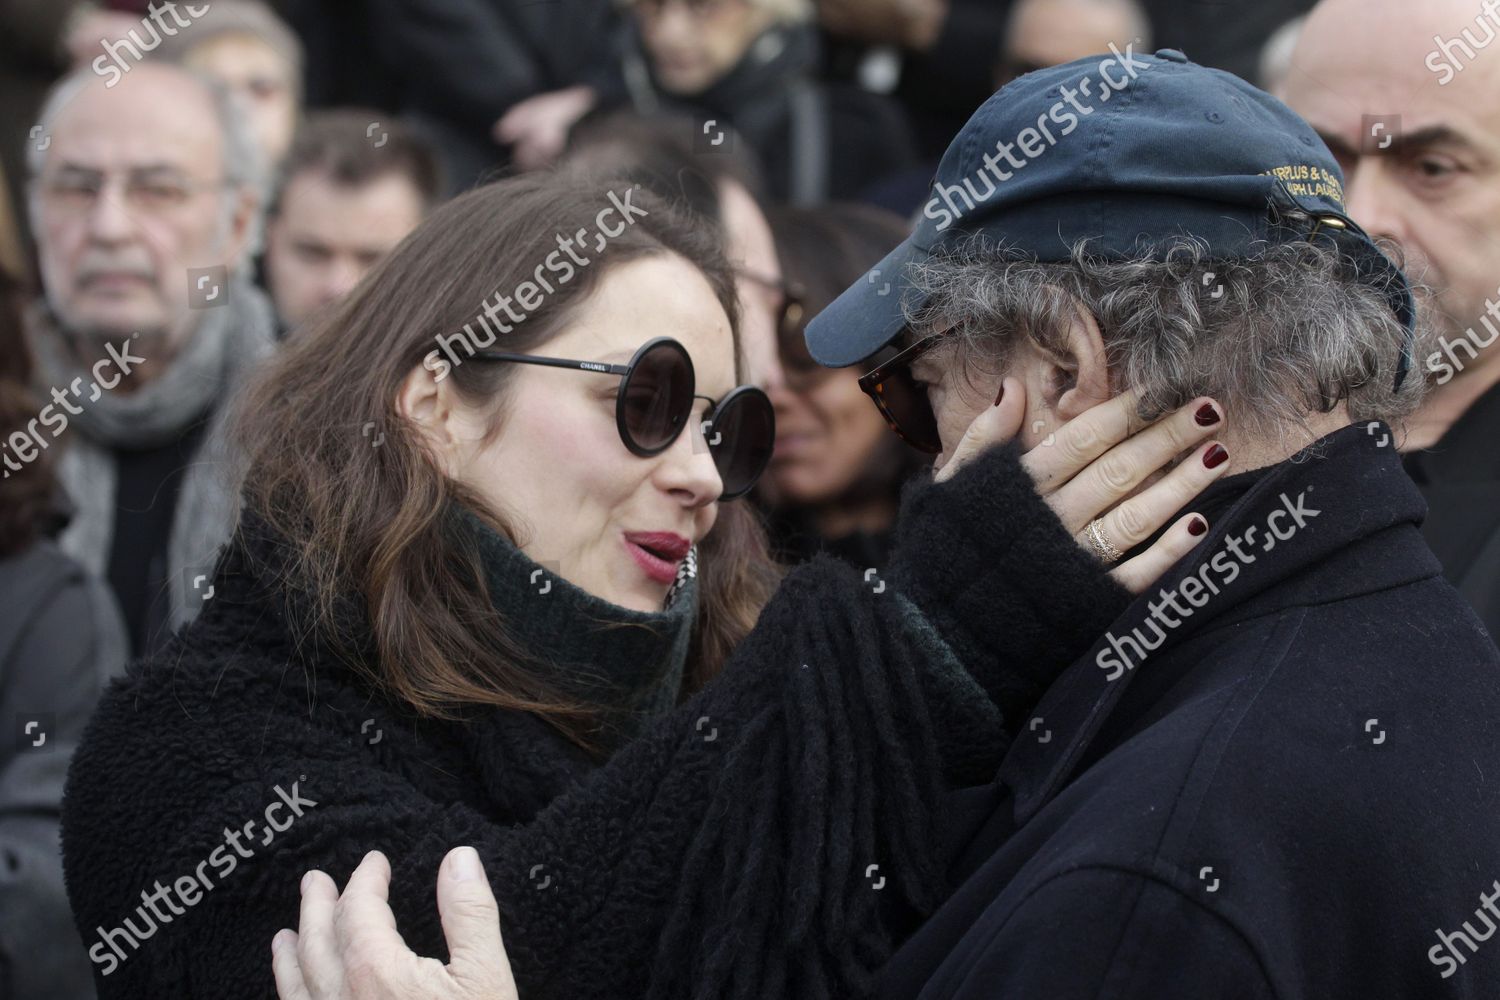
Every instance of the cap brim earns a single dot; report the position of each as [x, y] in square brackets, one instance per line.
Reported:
[868, 314]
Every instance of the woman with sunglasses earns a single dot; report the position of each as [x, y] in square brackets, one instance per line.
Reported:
[467, 591]
[835, 478]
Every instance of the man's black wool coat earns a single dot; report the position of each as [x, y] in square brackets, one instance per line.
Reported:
[1297, 795]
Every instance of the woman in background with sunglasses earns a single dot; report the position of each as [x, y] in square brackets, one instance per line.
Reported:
[834, 482]
[479, 563]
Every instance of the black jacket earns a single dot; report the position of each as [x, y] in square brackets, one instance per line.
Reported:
[1460, 479]
[1209, 37]
[775, 835]
[452, 68]
[470, 61]
[942, 87]
[1289, 798]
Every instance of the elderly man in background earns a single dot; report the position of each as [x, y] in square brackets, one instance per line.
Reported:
[1408, 106]
[146, 325]
[347, 197]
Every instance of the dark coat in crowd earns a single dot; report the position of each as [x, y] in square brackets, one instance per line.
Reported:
[942, 87]
[1293, 793]
[775, 835]
[147, 474]
[454, 67]
[816, 141]
[1460, 479]
[60, 639]
[1210, 36]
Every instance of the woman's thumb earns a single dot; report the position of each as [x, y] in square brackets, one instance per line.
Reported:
[471, 926]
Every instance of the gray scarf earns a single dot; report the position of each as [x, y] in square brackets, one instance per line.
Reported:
[213, 364]
[628, 663]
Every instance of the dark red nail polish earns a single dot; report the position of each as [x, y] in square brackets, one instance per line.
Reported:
[1197, 526]
[1000, 395]
[1206, 416]
[1216, 457]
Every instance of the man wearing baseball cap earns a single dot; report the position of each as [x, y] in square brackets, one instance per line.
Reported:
[1275, 774]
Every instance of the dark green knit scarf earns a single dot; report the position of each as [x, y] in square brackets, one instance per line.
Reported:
[627, 663]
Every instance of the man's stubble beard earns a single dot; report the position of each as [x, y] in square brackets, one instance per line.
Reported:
[158, 345]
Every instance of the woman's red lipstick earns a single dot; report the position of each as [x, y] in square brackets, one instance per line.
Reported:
[657, 553]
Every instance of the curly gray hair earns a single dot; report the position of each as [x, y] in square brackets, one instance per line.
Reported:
[1275, 338]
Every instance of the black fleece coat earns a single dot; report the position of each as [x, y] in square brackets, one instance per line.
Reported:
[774, 836]
[1294, 795]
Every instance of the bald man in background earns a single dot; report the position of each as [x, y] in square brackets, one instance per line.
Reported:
[1407, 102]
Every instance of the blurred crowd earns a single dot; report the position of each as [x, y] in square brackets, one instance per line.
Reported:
[184, 187]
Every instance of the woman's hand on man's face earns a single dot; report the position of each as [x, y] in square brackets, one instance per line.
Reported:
[347, 947]
[1093, 466]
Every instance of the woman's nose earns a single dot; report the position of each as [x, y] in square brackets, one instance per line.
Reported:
[687, 468]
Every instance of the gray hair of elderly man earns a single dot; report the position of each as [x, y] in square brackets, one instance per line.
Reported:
[1276, 338]
[244, 167]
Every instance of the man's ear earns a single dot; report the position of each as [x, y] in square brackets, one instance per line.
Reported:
[1084, 378]
[427, 404]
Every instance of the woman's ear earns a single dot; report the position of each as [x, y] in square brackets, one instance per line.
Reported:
[427, 404]
[1084, 375]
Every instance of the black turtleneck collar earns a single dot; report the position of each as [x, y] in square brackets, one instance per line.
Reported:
[628, 663]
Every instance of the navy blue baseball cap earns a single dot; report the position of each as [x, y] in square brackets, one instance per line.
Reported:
[1129, 151]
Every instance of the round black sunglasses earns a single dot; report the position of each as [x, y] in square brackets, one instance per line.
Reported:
[656, 399]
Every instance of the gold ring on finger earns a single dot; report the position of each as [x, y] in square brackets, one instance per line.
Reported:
[1101, 545]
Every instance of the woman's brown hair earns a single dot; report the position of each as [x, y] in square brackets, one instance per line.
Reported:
[371, 522]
